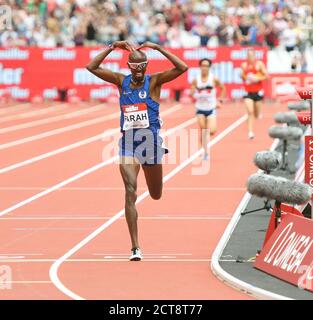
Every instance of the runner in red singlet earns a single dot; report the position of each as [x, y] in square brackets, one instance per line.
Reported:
[253, 74]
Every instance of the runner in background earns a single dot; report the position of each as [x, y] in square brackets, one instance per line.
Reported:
[203, 90]
[253, 73]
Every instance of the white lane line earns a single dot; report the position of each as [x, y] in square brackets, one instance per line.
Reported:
[61, 130]
[82, 174]
[52, 229]
[223, 275]
[29, 114]
[61, 117]
[59, 185]
[26, 282]
[21, 254]
[107, 254]
[184, 218]
[122, 188]
[109, 217]
[53, 132]
[147, 254]
[104, 218]
[57, 151]
[77, 144]
[165, 259]
[300, 174]
[301, 171]
[15, 107]
[105, 260]
[53, 272]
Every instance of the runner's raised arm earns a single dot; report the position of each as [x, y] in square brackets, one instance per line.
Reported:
[106, 74]
[168, 75]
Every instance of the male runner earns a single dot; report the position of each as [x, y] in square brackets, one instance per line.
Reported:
[253, 73]
[203, 89]
[140, 123]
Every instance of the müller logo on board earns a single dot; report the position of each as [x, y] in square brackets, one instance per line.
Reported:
[83, 77]
[131, 109]
[50, 93]
[284, 85]
[241, 54]
[154, 55]
[289, 249]
[114, 55]
[17, 92]
[14, 54]
[59, 54]
[200, 53]
[103, 92]
[10, 76]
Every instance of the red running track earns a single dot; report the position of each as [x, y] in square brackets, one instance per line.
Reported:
[41, 219]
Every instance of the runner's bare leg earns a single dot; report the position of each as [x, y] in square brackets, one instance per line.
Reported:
[250, 112]
[257, 109]
[129, 170]
[202, 121]
[212, 124]
[154, 179]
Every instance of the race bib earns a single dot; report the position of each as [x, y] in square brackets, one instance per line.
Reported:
[135, 116]
[250, 78]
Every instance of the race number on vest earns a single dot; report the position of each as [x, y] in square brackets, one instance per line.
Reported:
[135, 116]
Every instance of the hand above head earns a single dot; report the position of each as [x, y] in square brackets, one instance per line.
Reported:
[125, 45]
[149, 44]
[167, 75]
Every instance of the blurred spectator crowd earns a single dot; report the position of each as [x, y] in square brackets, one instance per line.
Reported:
[180, 23]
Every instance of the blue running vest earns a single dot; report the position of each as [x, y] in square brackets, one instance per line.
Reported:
[137, 107]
